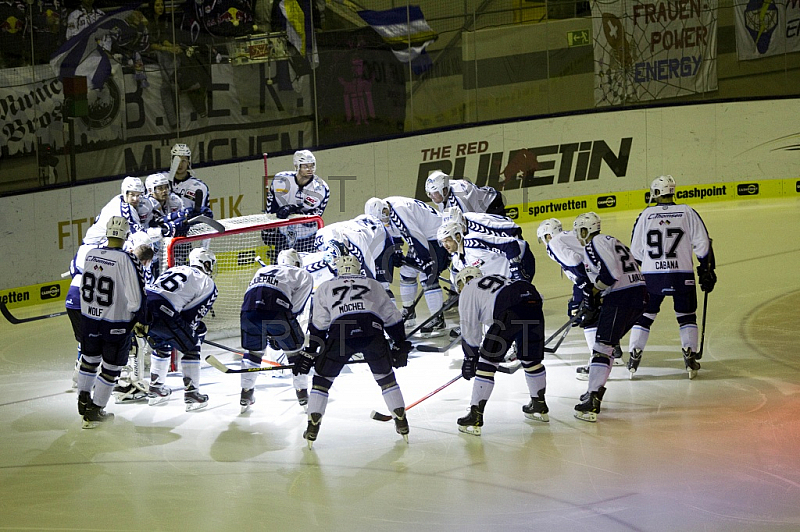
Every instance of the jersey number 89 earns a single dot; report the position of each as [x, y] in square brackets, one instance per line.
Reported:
[97, 289]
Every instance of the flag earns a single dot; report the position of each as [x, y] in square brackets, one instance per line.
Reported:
[406, 31]
[86, 54]
[300, 28]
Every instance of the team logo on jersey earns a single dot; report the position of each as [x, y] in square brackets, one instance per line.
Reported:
[310, 201]
[50, 292]
[606, 202]
[747, 189]
[513, 212]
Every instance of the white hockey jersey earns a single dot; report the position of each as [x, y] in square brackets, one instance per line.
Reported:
[416, 223]
[492, 254]
[311, 199]
[483, 300]
[96, 235]
[664, 237]
[567, 252]
[188, 291]
[609, 261]
[492, 224]
[73, 300]
[468, 197]
[193, 194]
[316, 265]
[367, 239]
[112, 289]
[276, 287]
[352, 306]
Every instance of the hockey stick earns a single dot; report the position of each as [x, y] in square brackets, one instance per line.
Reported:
[275, 365]
[448, 304]
[16, 321]
[173, 167]
[213, 224]
[216, 363]
[232, 350]
[428, 348]
[377, 416]
[699, 354]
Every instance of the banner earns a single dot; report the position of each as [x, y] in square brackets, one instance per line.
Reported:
[765, 28]
[245, 116]
[648, 51]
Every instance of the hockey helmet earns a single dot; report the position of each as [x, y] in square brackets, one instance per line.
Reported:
[204, 259]
[452, 230]
[586, 225]
[289, 257]
[466, 275]
[453, 214]
[304, 157]
[181, 150]
[378, 208]
[347, 265]
[132, 184]
[548, 227]
[439, 182]
[155, 180]
[117, 227]
[663, 185]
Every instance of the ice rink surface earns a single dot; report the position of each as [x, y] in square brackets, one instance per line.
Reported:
[718, 453]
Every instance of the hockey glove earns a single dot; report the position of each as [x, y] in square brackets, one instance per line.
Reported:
[572, 309]
[302, 362]
[400, 354]
[469, 367]
[589, 315]
[707, 279]
[140, 330]
[287, 210]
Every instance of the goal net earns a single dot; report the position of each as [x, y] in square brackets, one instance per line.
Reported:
[245, 240]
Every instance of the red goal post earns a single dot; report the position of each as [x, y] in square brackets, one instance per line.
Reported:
[236, 249]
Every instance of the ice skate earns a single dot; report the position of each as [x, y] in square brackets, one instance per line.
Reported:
[84, 398]
[472, 422]
[692, 365]
[129, 393]
[409, 317]
[310, 434]
[537, 409]
[633, 361]
[247, 399]
[95, 415]
[193, 399]
[590, 407]
[158, 393]
[618, 360]
[582, 373]
[302, 397]
[401, 422]
[434, 328]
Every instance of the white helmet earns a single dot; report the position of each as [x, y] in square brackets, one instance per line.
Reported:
[132, 184]
[304, 157]
[439, 182]
[663, 185]
[466, 275]
[378, 208]
[336, 245]
[289, 257]
[155, 180]
[548, 227]
[453, 214]
[347, 265]
[181, 150]
[453, 230]
[204, 259]
[117, 227]
[586, 225]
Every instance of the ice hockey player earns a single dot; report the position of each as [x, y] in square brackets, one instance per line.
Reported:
[112, 303]
[350, 315]
[296, 192]
[494, 255]
[664, 237]
[415, 223]
[193, 192]
[446, 192]
[511, 313]
[177, 302]
[567, 252]
[613, 272]
[273, 300]
[124, 205]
